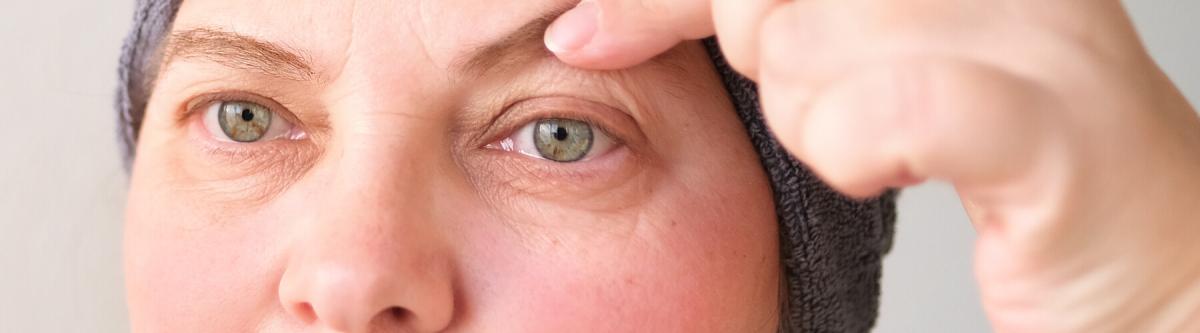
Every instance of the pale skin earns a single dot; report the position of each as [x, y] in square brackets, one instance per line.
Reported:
[1076, 158]
[381, 203]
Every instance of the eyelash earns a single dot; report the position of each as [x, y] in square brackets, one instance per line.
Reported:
[584, 175]
[512, 127]
[509, 121]
[522, 118]
[198, 108]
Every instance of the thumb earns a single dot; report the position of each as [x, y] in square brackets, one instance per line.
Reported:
[613, 34]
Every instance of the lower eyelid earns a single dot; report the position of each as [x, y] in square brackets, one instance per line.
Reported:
[237, 154]
[269, 162]
[243, 177]
[573, 183]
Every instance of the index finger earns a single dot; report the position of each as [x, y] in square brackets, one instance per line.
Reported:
[614, 34]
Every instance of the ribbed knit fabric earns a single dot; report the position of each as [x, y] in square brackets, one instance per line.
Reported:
[831, 246]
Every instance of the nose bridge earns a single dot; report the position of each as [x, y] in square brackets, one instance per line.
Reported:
[383, 146]
[371, 251]
[377, 196]
[380, 178]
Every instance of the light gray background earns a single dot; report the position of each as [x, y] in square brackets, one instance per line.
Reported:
[62, 187]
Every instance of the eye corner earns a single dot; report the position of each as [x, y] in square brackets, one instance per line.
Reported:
[561, 140]
[261, 118]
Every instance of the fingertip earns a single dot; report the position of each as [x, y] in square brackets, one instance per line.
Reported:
[577, 40]
[614, 34]
[572, 31]
[611, 53]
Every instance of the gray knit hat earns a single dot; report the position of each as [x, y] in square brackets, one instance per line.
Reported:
[831, 247]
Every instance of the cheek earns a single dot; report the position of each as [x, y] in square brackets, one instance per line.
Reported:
[187, 275]
[692, 263]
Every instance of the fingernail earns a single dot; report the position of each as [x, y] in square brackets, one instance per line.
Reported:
[573, 29]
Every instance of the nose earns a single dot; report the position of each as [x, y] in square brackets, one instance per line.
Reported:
[371, 259]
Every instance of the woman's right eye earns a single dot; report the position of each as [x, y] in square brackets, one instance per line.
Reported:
[245, 122]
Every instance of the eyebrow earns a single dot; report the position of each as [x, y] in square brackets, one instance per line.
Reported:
[240, 52]
[518, 47]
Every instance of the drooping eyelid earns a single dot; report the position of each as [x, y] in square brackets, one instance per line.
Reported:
[199, 104]
[616, 124]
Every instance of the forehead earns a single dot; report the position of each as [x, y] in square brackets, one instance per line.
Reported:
[420, 33]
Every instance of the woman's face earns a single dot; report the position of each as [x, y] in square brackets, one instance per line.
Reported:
[418, 166]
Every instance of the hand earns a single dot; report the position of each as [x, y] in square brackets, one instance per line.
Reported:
[1076, 158]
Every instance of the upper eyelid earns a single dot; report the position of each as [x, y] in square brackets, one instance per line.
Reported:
[577, 116]
[498, 126]
[198, 104]
[506, 123]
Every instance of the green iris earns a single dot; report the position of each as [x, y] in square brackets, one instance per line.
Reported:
[562, 140]
[244, 121]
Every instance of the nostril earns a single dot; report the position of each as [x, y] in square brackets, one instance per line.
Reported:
[392, 319]
[305, 312]
[399, 314]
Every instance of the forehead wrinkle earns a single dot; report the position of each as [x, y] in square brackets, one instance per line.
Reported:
[419, 28]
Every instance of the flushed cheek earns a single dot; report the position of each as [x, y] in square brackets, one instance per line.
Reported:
[206, 277]
[689, 275]
[624, 298]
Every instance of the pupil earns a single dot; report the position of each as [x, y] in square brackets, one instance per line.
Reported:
[561, 134]
[247, 115]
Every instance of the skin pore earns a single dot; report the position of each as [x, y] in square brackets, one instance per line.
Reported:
[391, 190]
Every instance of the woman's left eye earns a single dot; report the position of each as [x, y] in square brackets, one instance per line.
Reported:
[245, 122]
[557, 139]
